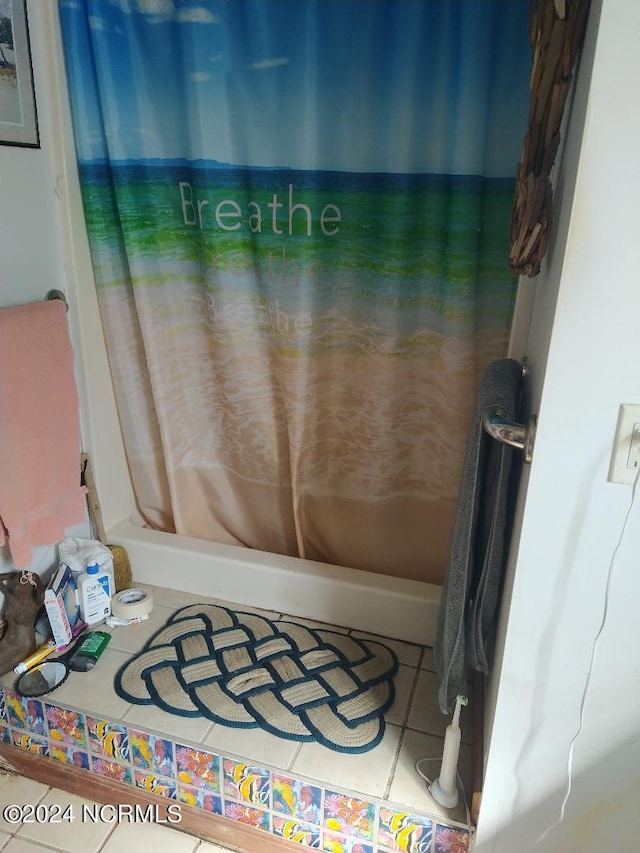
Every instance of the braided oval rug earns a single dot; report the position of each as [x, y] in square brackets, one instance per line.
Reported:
[242, 670]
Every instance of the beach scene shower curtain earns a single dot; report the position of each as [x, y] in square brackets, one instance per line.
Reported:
[298, 216]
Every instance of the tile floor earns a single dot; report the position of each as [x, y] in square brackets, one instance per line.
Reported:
[84, 836]
[414, 725]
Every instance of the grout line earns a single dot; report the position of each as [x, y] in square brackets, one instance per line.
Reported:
[394, 764]
[403, 729]
[107, 837]
[294, 756]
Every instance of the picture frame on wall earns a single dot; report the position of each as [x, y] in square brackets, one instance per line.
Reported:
[18, 115]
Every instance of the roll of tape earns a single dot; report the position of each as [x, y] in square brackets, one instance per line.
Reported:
[131, 603]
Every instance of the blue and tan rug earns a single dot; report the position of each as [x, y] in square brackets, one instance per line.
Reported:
[240, 669]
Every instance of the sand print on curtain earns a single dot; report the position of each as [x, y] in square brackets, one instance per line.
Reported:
[298, 218]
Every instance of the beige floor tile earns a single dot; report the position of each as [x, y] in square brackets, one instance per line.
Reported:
[365, 773]
[426, 715]
[4, 838]
[407, 653]
[149, 718]
[77, 836]
[93, 691]
[131, 638]
[149, 837]
[20, 791]
[409, 790]
[255, 744]
[21, 845]
[208, 847]
[403, 682]
[427, 660]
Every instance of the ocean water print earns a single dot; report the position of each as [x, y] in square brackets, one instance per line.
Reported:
[300, 242]
[284, 251]
[434, 87]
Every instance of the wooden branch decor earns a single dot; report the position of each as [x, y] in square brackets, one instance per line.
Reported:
[557, 30]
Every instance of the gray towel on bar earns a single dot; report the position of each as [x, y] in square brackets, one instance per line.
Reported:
[474, 571]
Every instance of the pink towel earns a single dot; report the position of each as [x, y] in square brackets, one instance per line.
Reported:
[40, 492]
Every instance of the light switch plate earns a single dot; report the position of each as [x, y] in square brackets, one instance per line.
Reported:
[625, 457]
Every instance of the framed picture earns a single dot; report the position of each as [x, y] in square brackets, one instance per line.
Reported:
[18, 118]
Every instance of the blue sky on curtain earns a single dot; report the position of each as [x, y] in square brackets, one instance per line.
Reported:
[298, 216]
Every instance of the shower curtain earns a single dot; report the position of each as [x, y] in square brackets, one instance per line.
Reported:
[298, 217]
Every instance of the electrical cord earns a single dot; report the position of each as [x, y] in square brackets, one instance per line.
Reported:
[583, 701]
[460, 787]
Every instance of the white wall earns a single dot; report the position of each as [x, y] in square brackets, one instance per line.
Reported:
[31, 245]
[584, 349]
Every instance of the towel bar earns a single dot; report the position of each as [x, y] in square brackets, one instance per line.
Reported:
[517, 435]
[57, 294]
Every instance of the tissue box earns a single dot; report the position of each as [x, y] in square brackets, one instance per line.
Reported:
[61, 604]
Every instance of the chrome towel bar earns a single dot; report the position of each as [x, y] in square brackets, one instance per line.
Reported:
[517, 435]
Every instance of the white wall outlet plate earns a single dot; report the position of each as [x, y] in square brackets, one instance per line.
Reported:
[625, 457]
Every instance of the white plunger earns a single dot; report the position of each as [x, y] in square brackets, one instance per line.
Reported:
[445, 788]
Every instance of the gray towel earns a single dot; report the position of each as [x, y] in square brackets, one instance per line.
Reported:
[474, 572]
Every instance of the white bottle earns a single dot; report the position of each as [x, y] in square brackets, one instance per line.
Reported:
[94, 594]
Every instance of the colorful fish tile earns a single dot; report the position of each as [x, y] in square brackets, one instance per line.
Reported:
[150, 752]
[108, 739]
[200, 798]
[297, 832]
[66, 754]
[5, 736]
[30, 743]
[197, 769]
[3, 706]
[23, 713]
[111, 770]
[257, 818]
[156, 784]
[333, 842]
[66, 726]
[403, 831]
[246, 783]
[348, 815]
[451, 840]
[296, 798]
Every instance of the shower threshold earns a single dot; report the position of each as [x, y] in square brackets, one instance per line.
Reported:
[244, 787]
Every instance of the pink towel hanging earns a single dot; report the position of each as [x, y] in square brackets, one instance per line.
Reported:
[40, 491]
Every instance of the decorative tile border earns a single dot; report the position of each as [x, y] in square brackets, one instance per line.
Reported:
[297, 832]
[69, 755]
[68, 727]
[197, 769]
[23, 713]
[403, 831]
[246, 783]
[249, 815]
[151, 752]
[273, 801]
[297, 799]
[347, 815]
[154, 784]
[107, 739]
[112, 770]
[201, 799]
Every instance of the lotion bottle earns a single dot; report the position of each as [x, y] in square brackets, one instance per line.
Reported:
[94, 594]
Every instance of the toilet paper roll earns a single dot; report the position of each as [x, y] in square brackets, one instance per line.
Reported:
[131, 604]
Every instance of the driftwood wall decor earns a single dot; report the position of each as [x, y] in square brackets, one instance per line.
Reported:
[557, 30]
